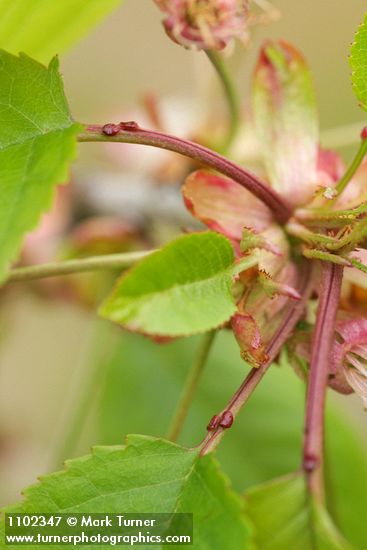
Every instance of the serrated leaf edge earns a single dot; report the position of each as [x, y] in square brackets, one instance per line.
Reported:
[231, 271]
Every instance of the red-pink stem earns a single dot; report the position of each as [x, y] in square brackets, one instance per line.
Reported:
[281, 210]
[329, 296]
[292, 315]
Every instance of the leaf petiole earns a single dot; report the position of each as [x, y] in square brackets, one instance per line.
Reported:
[331, 279]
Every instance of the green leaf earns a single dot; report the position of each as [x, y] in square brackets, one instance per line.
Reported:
[180, 290]
[346, 471]
[358, 63]
[147, 475]
[37, 143]
[272, 420]
[284, 517]
[43, 28]
[286, 122]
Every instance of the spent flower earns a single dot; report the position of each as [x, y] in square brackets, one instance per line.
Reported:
[204, 24]
[327, 224]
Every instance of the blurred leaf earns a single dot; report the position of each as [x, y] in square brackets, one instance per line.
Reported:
[43, 28]
[346, 473]
[264, 442]
[183, 289]
[147, 475]
[358, 62]
[284, 517]
[286, 122]
[37, 143]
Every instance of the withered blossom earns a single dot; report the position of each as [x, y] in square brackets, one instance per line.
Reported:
[204, 24]
[326, 224]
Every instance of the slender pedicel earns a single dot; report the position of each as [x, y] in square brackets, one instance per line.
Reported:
[329, 296]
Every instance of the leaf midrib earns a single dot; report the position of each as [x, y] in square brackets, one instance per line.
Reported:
[223, 273]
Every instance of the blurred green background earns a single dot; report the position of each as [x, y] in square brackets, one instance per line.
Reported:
[55, 356]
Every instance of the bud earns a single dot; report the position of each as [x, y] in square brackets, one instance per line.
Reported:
[204, 24]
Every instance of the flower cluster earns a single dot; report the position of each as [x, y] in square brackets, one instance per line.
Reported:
[328, 223]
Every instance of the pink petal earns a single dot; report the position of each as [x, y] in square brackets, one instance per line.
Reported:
[223, 205]
[356, 363]
[351, 353]
[286, 122]
[353, 332]
[359, 384]
[330, 168]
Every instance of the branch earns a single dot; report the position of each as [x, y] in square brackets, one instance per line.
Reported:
[132, 133]
[67, 267]
[244, 392]
[331, 279]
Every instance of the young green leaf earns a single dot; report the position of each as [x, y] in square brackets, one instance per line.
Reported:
[37, 143]
[284, 517]
[286, 122]
[358, 63]
[44, 28]
[180, 290]
[148, 475]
